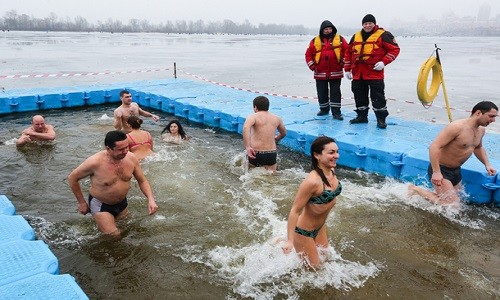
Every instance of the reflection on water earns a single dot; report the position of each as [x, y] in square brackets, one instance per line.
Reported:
[219, 228]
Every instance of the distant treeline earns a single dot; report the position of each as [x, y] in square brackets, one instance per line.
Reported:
[13, 21]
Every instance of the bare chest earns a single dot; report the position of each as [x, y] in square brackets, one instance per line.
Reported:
[110, 174]
[129, 111]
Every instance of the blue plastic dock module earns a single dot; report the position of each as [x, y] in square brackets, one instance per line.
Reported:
[15, 228]
[6, 207]
[400, 151]
[20, 259]
[43, 286]
[28, 268]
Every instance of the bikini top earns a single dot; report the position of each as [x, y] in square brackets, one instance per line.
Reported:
[327, 195]
[134, 144]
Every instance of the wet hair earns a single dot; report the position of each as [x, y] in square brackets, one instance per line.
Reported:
[123, 92]
[114, 136]
[317, 146]
[261, 102]
[181, 130]
[484, 107]
[134, 122]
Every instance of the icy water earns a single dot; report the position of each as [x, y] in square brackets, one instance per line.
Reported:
[273, 64]
[215, 235]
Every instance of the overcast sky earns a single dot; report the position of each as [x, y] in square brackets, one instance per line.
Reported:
[343, 13]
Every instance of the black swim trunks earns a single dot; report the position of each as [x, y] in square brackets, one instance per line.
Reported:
[453, 175]
[97, 206]
[263, 158]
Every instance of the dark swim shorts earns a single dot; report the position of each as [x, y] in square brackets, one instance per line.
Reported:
[453, 175]
[263, 158]
[97, 206]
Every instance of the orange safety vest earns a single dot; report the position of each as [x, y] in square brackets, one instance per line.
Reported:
[363, 50]
[318, 44]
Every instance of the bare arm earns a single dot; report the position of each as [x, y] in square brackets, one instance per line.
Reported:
[145, 187]
[82, 171]
[305, 192]
[446, 136]
[247, 127]
[480, 153]
[148, 114]
[118, 119]
[151, 140]
[23, 139]
[46, 136]
[281, 130]
[29, 135]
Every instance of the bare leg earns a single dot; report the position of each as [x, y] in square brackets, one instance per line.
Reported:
[272, 168]
[427, 195]
[106, 223]
[445, 193]
[322, 239]
[306, 248]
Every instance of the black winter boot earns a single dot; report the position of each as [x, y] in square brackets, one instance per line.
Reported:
[336, 114]
[361, 118]
[322, 112]
[381, 115]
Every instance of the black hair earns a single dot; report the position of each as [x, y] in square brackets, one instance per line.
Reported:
[123, 92]
[484, 107]
[317, 147]
[114, 136]
[261, 102]
[181, 130]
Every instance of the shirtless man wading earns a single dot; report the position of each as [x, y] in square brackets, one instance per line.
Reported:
[127, 109]
[259, 135]
[451, 149]
[37, 132]
[110, 171]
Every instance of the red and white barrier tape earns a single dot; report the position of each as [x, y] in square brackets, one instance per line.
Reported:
[302, 97]
[246, 90]
[78, 74]
[56, 75]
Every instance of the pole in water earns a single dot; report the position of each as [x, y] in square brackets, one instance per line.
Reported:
[175, 70]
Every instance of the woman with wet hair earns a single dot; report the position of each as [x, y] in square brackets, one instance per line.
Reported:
[140, 141]
[174, 133]
[313, 202]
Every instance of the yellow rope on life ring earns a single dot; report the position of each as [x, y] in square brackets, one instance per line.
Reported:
[426, 96]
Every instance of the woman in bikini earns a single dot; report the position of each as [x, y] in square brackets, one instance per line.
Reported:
[140, 141]
[314, 200]
[174, 133]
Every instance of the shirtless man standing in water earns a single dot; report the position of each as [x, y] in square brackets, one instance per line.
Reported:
[110, 173]
[451, 149]
[38, 131]
[127, 109]
[259, 135]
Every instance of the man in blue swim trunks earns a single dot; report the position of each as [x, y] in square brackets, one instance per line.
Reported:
[259, 135]
[110, 172]
[451, 149]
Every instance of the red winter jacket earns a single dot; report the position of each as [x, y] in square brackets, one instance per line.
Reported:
[384, 49]
[328, 65]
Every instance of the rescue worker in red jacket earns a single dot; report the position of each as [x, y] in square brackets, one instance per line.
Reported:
[370, 50]
[325, 56]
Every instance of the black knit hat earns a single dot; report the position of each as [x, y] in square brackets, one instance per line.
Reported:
[368, 18]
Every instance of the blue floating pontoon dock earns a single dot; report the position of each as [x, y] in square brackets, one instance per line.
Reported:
[400, 152]
[28, 268]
